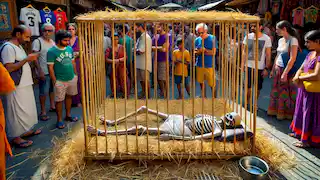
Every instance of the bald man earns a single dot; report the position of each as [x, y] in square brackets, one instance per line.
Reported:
[21, 111]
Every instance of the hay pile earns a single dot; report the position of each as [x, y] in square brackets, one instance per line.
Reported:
[68, 163]
[146, 15]
[166, 148]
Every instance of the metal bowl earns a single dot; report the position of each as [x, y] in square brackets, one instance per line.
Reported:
[252, 167]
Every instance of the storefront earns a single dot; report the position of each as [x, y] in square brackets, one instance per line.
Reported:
[303, 14]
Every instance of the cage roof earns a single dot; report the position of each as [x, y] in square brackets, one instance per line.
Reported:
[177, 16]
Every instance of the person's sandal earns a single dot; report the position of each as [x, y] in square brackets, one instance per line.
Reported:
[34, 133]
[44, 117]
[60, 125]
[300, 144]
[52, 110]
[23, 144]
[71, 119]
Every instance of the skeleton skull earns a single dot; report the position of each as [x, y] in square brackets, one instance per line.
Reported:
[232, 119]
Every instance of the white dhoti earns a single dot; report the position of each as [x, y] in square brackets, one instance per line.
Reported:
[20, 111]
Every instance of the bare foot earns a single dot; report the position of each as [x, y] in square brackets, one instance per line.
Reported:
[93, 131]
[300, 144]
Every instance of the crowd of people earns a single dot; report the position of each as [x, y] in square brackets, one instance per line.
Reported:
[57, 67]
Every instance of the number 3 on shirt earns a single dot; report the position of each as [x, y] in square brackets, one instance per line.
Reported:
[31, 21]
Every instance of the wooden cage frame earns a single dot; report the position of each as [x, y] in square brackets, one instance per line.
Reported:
[232, 25]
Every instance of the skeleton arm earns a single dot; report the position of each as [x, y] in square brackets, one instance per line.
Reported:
[141, 110]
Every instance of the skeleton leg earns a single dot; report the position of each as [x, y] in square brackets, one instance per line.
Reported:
[139, 111]
[131, 131]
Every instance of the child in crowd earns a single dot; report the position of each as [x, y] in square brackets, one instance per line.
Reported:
[177, 58]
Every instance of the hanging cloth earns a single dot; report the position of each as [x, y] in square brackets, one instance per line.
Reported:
[298, 17]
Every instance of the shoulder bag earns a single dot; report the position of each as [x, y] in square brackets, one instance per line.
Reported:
[15, 75]
[301, 56]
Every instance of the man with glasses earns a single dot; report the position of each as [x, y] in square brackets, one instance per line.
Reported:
[41, 45]
[205, 72]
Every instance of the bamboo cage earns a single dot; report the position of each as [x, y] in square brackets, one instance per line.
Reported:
[228, 95]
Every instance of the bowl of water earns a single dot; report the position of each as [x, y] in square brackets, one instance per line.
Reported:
[252, 167]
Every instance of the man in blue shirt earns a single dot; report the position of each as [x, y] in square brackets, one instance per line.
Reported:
[205, 50]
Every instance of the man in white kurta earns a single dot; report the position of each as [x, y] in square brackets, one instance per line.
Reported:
[20, 106]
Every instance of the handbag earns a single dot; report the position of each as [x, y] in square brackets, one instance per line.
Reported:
[311, 86]
[301, 56]
[15, 75]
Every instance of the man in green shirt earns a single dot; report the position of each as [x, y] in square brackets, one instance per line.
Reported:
[128, 45]
[62, 70]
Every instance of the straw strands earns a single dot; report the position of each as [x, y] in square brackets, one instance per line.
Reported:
[147, 15]
[68, 163]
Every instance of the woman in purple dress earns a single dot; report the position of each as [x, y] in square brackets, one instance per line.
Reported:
[72, 28]
[306, 121]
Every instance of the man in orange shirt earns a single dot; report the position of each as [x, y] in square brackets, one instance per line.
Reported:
[6, 86]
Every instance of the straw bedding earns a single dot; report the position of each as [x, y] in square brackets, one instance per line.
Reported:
[147, 15]
[68, 163]
[167, 148]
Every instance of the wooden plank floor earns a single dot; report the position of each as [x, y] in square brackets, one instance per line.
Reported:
[307, 165]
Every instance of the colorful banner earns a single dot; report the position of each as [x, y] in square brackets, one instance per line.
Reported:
[5, 23]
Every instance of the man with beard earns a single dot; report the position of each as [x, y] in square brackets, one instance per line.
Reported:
[162, 47]
[42, 45]
[264, 56]
[21, 110]
[143, 51]
[62, 70]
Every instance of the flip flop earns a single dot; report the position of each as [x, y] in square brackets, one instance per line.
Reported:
[60, 125]
[23, 144]
[71, 119]
[52, 110]
[34, 133]
[44, 117]
[300, 144]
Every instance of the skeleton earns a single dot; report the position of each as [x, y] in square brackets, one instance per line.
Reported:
[171, 128]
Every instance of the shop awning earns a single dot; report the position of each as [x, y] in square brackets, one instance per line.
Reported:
[122, 7]
[210, 5]
[240, 2]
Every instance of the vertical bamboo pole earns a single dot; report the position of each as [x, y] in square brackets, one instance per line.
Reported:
[229, 66]
[135, 85]
[246, 79]
[220, 60]
[146, 79]
[238, 66]
[203, 90]
[155, 73]
[167, 69]
[84, 104]
[224, 76]
[155, 63]
[114, 87]
[214, 79]
[183, 85]
[193, 77]
[252, 86]
[125, 82]
[255, 89]
[235, 87]
[172, 48]
[242, 70]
